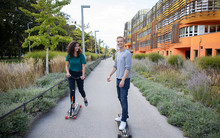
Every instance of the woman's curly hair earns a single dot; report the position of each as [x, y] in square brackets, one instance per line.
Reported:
[71, 47]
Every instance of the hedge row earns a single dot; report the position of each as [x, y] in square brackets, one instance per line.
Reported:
[194, 119]
[18, 122]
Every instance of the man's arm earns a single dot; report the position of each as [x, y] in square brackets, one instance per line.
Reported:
[113, 69]
[111, 73]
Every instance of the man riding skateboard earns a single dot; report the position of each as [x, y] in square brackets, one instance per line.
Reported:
[122, 67]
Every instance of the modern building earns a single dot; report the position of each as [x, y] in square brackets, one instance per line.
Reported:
[190, 28]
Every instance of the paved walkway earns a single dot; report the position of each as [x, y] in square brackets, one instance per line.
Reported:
[97, 120]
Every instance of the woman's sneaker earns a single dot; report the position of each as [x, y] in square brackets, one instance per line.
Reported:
[86, 102]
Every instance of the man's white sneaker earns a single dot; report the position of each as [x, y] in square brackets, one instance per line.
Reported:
[122, 125]
[118, 119]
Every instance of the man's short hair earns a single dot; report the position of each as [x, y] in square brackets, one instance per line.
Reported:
[121, 37]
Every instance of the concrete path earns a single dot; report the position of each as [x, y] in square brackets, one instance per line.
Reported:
[97, 120]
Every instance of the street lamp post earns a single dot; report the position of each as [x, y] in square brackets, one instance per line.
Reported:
[99, 47]
[95, 42]
[83, 6]
[29, 35]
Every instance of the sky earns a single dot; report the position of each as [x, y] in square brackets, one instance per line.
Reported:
[109, 17]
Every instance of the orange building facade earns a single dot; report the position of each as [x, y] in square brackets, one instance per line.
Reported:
[190, 28]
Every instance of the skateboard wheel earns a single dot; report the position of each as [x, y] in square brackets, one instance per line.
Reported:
[74, 117]
[80, 106]
[66, 117]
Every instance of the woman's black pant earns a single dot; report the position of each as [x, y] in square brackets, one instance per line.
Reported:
[75, 77]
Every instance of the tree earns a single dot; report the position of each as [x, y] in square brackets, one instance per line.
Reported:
[50, 22]
[13, 23]
[112, 50]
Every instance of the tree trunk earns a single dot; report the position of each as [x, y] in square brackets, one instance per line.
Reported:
[47, 65]
[19, 49]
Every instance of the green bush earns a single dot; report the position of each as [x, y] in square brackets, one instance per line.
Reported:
[139, 56]
[93, 55]
[193, 118]
[113, 57]
[18, 122]
[176, 60]
[209, 62]
[155, 57]
[50, 79]
[42, 55]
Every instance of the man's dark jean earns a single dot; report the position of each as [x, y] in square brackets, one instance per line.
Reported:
[75, 76]
[123, 97]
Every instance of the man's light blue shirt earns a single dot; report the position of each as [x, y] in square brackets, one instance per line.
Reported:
[123, 62]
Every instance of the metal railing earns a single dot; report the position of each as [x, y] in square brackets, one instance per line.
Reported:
[25, 103]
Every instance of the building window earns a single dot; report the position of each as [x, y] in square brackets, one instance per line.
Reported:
[170, 53]
[218, 28]
[167, 53]
[201, 29]
[186, 35]
[195, 54]
[205, 5]
[217, 52]
[208, 52]
[212, 28]
[196, 30]
[191, 31]
[206, 28]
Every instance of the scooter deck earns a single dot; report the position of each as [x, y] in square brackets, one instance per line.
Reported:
[74, 113]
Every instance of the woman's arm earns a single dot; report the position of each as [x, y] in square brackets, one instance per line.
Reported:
[83, 71]
[67, 69]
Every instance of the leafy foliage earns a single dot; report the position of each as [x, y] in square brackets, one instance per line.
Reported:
[175, 60]
[50, 24]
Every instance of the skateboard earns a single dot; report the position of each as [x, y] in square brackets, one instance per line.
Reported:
[73, 114]
[123, 133]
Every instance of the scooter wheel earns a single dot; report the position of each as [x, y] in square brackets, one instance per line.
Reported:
[66, 117]
[74, 117]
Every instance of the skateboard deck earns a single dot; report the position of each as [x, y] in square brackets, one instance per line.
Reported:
[74, 113]
[123, 133]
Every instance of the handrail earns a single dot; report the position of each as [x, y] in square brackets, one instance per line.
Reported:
[25, 103]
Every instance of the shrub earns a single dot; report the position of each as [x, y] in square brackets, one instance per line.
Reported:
[175, 60]
[193, 118]
[155, 57]
[57, 64]
[209, 62]
[19, 75]
[139, 56]
[113, 57]
[18, 122]
[42, 55]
